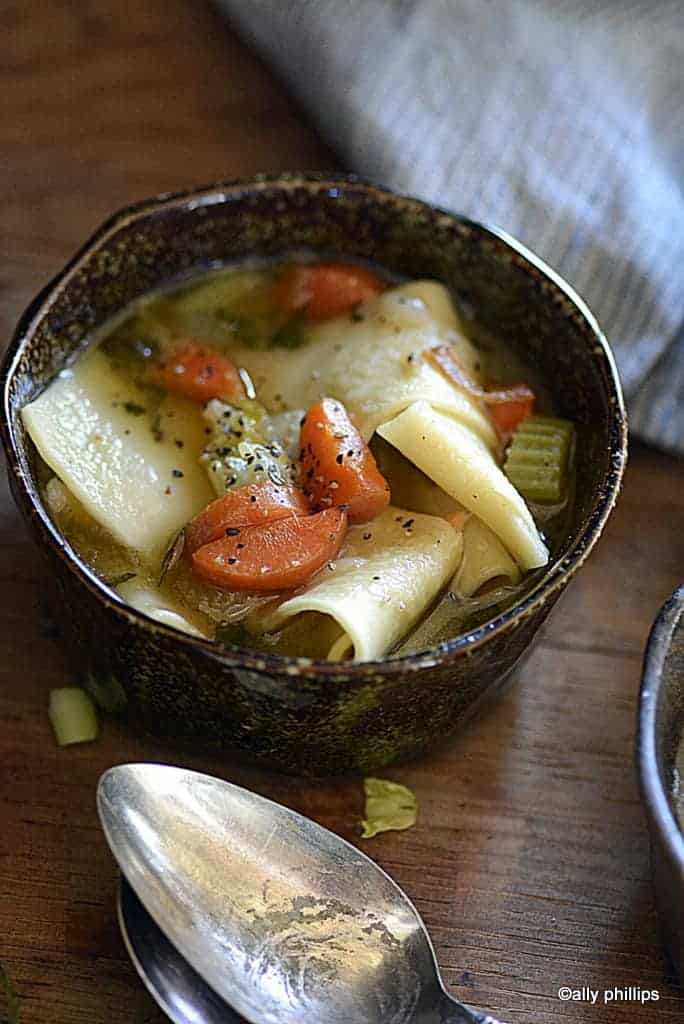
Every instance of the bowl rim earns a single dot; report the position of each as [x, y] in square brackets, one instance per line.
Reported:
[662, 819]
[331, 185]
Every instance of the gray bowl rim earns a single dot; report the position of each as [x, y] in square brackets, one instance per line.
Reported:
[661, 815]
[330, 185]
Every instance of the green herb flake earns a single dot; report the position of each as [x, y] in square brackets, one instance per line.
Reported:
[289, 335]
[134, 408]
[389, 806]
[119, 578]
[172, 555]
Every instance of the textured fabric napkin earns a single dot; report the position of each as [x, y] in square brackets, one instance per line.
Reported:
[561, 121]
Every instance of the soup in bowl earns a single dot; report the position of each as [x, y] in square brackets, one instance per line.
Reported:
[312, 462]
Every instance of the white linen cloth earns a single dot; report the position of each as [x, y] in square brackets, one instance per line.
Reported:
[560, 121]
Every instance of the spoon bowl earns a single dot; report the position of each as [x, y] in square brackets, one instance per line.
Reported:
[281, 918]
[179, 990]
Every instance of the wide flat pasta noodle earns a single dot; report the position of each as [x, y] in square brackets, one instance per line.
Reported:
[484, 559]
[145, 597]
[93, 430]
[371, 361]
[388, 574]
[457, 460]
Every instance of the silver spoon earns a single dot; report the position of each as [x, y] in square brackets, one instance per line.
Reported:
[282, 919]
[180, 991]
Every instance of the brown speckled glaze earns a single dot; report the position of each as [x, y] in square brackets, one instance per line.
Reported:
[298, 715]
[661, 727]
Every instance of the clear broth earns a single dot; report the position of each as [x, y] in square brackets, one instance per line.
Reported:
[225, 308]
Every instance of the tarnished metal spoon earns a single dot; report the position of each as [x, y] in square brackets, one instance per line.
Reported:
[182, 994]
[281, 918]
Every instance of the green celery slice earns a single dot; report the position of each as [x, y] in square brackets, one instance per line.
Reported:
[389, 805]
[537, 459]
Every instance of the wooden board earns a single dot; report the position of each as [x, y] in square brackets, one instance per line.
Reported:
[530, 858]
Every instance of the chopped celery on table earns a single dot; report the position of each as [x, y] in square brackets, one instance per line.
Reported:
[537, 458]
[73, 716]
[389, 806]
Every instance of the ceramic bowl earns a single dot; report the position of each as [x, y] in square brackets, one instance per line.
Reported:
[298, 715]
[660, 730]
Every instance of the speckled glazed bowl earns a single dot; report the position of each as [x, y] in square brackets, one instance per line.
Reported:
[298, 715]
[660, 729]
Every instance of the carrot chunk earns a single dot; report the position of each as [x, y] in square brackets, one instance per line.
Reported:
[337, 466]
[320, 291]
[507, 416]
[199, 373]
[244, 506]
[274, 556]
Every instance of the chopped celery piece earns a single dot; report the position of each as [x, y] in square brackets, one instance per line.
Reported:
[73, 715]
[537, 458]
[246, 445]
[389, 805]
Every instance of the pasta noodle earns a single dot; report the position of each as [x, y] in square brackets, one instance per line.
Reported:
[392, 570]
[484, 559]
[456, 459]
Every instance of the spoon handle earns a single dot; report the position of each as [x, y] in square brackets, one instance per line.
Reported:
[453, 1012]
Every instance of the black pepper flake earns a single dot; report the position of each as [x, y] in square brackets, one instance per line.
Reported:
[253, 498]
[127, 430]
[241, 546]
[232, 561]
[207, 430]
[177, 473]
[169, 490]
[309, 473]
[302, 421]
[232, 531]
[376, 577]
[408, 524]
[350, 453]
[258, 469]
[250, 459]
[339, 459]
[178, 444]
[367, 536]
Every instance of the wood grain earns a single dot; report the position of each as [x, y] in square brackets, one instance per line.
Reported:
[530, 858]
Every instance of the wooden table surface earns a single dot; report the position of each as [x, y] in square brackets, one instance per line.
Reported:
[530, 859]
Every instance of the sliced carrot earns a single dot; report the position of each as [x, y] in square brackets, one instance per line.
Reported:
[508, 407]
[273, 556]
[320, 291]
[337, 466]
[508, 416]
[199, 373]
[245, 506]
